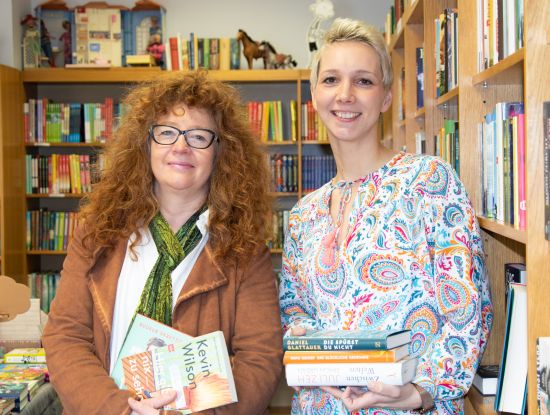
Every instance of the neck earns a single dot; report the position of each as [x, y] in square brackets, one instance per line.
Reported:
[355, 160]
[177, 209]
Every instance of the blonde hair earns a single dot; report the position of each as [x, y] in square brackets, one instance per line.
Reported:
[348, 30]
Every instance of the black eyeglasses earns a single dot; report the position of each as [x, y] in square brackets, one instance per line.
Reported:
[194, 137]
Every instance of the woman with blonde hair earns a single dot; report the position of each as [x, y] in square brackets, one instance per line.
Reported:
[175, 229]
[391, 242]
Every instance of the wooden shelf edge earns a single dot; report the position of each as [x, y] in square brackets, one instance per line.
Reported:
[80, 144]
[483, 405]
[279, 143]
[54, 195]
[503, 229]
[316, 142]
[504, 65]
[452, 95]
[414, 14]
[129, 75]
[43, 252]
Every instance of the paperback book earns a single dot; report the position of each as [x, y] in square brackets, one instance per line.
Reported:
[348, 340]
[144, 334]
[359, 356]
[6, 405]
[486, 379]
[26, 355]
[350, 374]
[198, 369]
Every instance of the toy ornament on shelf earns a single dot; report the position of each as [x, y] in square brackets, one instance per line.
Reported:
[252, 49]
[31, 43]
[322, 10]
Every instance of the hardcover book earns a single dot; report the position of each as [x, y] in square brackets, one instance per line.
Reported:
[348, 340]
[144, 334]
[350, 374]
[198, 369]
[6, 405]
[360, 356]
[26, 355]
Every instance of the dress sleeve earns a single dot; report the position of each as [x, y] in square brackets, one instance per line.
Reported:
[460, 285]
[295, 300]
[76, 371]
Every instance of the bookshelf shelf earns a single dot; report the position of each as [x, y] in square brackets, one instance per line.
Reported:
[420, 113]
[479, 404]
[507, 71]
[278, 143]
[276, 251]
[450, 98]
[398, 39]
[55, 195]
[283, 194]
[131, 75]
[414, 14]
[502, 229]
[315, 142]
[77, 145]
[43, 252]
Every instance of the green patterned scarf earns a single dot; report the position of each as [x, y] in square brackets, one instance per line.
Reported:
[156, 298]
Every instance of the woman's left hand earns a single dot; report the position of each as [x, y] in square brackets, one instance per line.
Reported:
[151, 405]
[378, 395]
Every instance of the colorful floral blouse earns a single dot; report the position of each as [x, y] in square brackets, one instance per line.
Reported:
[413, 258]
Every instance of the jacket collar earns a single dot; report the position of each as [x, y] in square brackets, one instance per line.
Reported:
[104, 280]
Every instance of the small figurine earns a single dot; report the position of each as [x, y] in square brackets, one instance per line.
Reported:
[156, 48]
[322, 10]
[65, 38]
[277, 60]
[31, 43]
[46, 44]
[253, 49]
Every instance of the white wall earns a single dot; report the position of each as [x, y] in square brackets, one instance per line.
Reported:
[283, 23]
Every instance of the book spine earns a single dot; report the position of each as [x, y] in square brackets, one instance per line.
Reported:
[334, 344]
[25, 359]
[339, 357]
[348, 374]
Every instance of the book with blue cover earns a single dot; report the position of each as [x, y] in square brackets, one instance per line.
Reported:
[348, 340]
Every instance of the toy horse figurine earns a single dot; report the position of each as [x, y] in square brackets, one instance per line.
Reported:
[278, 60]
[252, 49]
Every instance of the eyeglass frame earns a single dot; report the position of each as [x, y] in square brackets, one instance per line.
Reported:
[182, 132]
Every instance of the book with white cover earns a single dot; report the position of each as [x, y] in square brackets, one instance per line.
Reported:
[350, 374]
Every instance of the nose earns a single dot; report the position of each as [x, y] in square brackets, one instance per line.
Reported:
[180, 145]
[345, 91]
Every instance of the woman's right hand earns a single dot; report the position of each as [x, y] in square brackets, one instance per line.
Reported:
[152, 405]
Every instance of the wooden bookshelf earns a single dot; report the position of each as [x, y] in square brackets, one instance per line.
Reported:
[522, 76]
[12, 176]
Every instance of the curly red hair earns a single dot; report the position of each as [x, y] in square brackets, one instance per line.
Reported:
[123, 201]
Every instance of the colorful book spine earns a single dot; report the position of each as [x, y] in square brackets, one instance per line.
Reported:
[347, 340]
[362, 356]
[351, 374]
[26, 355]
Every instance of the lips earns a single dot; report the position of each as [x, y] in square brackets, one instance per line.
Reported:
[346, 115]
[181, 164]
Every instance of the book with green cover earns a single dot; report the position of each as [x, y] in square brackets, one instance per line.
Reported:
[198, 369]
[144, 333]
[348, 340]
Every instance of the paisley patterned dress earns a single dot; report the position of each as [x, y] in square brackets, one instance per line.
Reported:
[413, 258]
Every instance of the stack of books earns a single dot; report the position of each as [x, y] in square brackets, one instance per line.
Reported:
[349, 358]
[22, 374]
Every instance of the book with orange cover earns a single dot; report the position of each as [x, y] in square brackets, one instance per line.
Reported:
[359, 356]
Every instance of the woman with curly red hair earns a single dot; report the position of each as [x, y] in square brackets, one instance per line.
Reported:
[175, 229]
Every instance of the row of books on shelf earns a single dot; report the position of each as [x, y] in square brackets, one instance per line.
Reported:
[199, 52]
[447, 144]
[348, 358]
[62, 173]
[499, 29]
[43, 285]
[280, 225]
[502, 145]
[51, 122]
[446, 51]
[49, 230]
[393, 23]
[267, 120]
[316, 171]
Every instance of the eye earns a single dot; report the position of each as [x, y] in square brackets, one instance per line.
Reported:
[197, 136]
[364, 81]
[329, 80]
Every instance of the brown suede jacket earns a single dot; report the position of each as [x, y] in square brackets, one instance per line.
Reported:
[242, 302]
